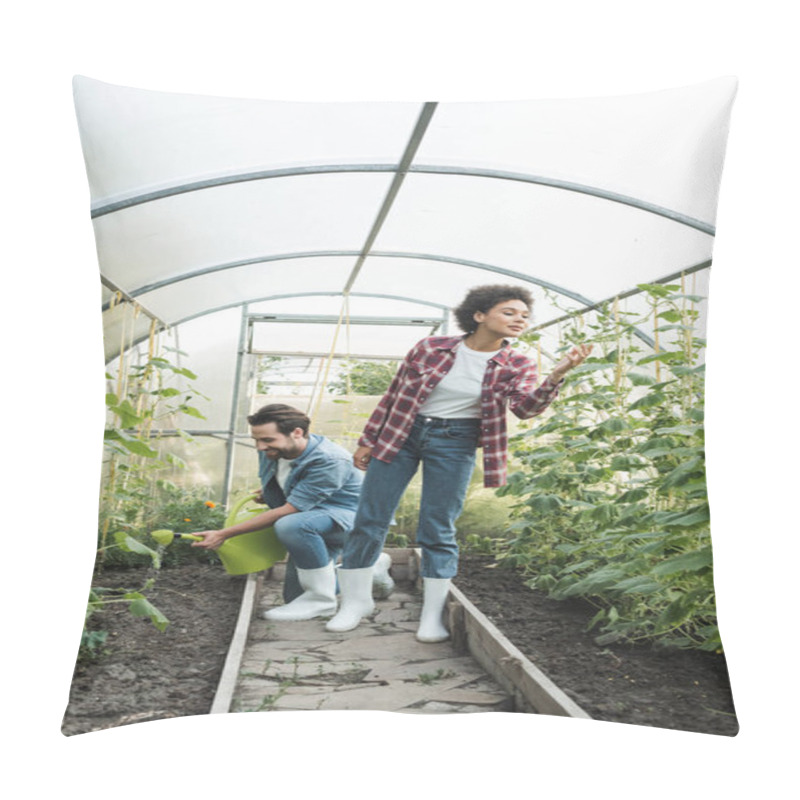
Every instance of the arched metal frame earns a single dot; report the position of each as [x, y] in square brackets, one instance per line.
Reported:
[521, 276]
[285, 296]
[110, 207]
[400, 170]
[586, 303]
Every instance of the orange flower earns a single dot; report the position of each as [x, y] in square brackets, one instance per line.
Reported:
[187, 519]
[211, 504]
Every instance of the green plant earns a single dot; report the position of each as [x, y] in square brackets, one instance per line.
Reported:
[429, 678]
[177, 509]
[92, 640]
[397, 540]
[134, 498]
[268, 701]
[268, 369]
[143, 396]
[474, 543]
[485, 516]
[364, 377]
[91, 646]
[611, 490]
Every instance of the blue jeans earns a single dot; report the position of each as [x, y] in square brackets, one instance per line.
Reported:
[446, 448]
[312, 539]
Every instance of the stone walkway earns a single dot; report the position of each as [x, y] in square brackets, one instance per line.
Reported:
[379, 666]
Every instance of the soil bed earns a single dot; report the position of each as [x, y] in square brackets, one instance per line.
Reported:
[146, 674]
[642, 685]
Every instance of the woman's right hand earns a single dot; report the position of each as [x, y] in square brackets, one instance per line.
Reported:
[361, 457]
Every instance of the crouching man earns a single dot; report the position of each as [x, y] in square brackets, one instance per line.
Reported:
[312, 489]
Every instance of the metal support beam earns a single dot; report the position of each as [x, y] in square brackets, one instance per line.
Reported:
[337, 293]
[569, 186]
[621, 296]
[587, 303]
[327, 354]
[509, 273]
[237, 380]
[128, 298]
[327, 319]
[425, 116]
[240, 304]
[112, 206]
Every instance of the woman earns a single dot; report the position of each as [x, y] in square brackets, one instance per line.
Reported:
[448, 398]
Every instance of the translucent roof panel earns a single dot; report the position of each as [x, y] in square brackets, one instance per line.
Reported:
[210, 346]
[179, 300]
[627, 144]
[106, 294]
[123, 326]
[201, 203]
[138, 140]
[189, 232]
[445, 282]
[588, 245]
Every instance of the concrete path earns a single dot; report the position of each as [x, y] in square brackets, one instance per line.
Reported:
[379, 666]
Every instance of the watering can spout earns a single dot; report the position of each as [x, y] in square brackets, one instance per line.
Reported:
[243, 554]
[165, 537]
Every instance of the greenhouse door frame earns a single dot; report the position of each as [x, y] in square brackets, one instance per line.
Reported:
[249, 320]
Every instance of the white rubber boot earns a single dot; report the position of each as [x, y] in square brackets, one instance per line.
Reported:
[355, 589]
[431, 622]
[318, 598]
[382, 583]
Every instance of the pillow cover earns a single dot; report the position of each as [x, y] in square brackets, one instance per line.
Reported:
[255, 252]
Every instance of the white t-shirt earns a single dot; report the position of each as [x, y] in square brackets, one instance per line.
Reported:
[458, 394]
[282, 472]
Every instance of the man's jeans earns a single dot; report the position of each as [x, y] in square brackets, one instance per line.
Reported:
[313, 539]
[446, 448]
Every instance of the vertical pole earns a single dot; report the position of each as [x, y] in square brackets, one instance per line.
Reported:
[237, 380]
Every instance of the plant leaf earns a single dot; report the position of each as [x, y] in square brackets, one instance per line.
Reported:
[131, 545]
[140, 606]
[685, 562]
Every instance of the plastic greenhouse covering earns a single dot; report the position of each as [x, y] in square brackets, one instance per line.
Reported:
[319, 232]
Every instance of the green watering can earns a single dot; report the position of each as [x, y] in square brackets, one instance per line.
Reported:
[240, 555]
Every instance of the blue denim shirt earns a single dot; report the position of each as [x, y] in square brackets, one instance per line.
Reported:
[321, 477]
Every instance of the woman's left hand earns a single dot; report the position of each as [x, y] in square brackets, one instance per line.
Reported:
[572, 359]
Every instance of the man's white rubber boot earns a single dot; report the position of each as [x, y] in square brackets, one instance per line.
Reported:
[382, 583]
[318, 598]
[355, 592]
[431, 623]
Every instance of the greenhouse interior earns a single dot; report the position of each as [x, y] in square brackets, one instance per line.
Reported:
[253, 252]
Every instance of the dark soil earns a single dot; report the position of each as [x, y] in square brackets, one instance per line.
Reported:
[642, 685]
[146, 674]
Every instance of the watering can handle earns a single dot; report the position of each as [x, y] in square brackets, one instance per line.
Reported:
[237, 507]
[189, 537]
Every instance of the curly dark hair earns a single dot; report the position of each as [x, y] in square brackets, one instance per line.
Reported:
[485, 298]
[286, 418]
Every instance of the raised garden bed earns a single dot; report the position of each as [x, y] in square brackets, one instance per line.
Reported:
[146, 674]
[643, 685]
[149, 675]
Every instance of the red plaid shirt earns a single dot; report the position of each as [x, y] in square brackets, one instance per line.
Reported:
[510, 380]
